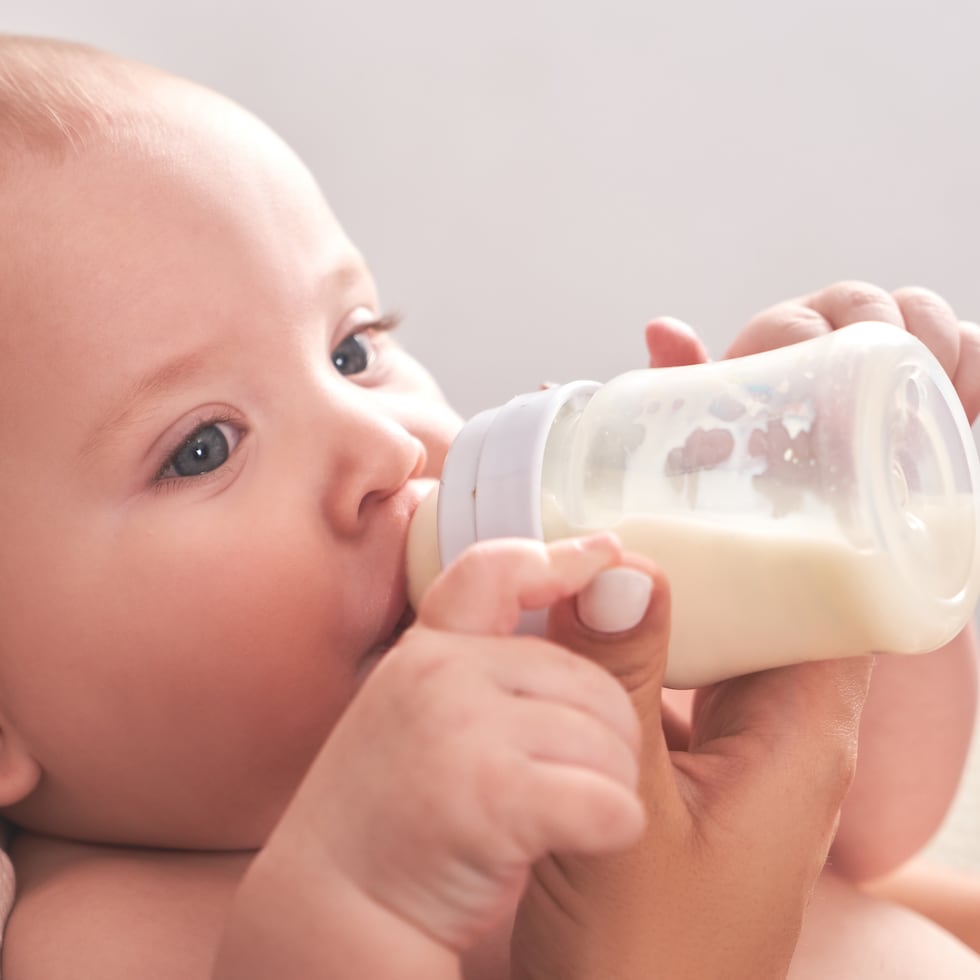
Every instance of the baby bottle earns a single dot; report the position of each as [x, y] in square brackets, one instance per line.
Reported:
[819, 500]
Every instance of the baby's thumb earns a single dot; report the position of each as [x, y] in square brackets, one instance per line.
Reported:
[672, 343]
[621, 620]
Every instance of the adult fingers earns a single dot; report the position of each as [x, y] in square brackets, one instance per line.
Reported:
[621, 622]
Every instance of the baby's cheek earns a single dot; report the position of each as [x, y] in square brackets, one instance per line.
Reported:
[420, 406]
[437, 435]
[247, 628]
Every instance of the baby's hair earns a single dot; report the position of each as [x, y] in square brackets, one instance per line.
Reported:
[55, 96]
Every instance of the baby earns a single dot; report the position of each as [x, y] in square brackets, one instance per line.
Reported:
[226, 749]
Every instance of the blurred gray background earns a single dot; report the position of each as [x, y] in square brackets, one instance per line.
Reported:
[531, 180]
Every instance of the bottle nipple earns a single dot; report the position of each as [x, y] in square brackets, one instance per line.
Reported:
[422, 548]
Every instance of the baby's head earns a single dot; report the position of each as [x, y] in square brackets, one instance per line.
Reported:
[210, 449]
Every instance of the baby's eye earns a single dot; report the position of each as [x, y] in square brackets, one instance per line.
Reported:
[353, 355]
[208, 447]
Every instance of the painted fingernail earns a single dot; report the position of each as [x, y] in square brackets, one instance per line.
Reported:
[615, 600]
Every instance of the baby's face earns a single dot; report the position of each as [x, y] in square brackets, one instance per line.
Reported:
[208, 461]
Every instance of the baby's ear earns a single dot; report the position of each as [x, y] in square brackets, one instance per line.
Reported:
[20, 772]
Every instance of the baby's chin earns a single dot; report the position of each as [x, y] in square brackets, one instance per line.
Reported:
[378, 651]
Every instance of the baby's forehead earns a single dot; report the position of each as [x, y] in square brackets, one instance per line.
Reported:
[57, 97]
[126, 180]
[68, 111]
[65, 105]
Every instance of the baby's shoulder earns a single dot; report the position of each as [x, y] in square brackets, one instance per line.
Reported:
[90, 910]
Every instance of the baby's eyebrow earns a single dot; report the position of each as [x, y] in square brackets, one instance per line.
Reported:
[177, 371]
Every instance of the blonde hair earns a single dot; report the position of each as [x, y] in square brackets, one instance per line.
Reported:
[56, 96]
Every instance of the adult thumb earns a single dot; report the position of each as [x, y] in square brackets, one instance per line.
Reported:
[621, 621]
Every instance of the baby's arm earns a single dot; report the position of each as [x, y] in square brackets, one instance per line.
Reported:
[950, 898]
[468, 754]
[915, 735]
[916, 726]
[850, 934]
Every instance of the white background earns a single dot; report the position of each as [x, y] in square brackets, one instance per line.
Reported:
[532, 179]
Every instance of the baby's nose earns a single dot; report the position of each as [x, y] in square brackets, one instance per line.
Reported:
[375, 458]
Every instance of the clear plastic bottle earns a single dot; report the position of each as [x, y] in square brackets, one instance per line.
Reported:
[814, 501]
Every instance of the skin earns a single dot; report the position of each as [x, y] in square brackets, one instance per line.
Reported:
[938, 690]
[252, 281]
[945, 895]
[256, 598]
[175, 651]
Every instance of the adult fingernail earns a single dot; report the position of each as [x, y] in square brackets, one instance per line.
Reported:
[615, 600]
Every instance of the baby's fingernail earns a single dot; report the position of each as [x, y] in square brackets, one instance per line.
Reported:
[601, 541]
[615, 600]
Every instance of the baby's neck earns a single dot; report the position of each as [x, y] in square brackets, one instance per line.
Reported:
[140, 902]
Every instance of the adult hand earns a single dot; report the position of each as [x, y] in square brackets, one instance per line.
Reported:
[742, 803]
[920, 709]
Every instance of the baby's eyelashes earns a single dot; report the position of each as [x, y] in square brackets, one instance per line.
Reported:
[362, 346]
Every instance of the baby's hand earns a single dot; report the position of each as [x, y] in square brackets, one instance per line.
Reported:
[469, 753]
[926, 315]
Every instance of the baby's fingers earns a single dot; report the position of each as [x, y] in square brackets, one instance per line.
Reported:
[779, 325]
[565, 736]
[485, 590]
[573, 810]
[931, 319]
[966, 378]
[955, 343]
[672, 342]
[535, 671]
[853, 301]
[812, 316]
